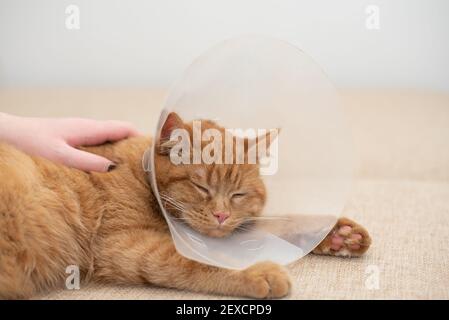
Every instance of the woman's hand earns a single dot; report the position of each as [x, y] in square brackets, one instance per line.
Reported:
[57, 139]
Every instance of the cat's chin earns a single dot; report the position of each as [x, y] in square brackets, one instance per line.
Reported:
[218, 233]
[215, 232]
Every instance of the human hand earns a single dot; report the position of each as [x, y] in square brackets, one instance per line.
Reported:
[57, 139]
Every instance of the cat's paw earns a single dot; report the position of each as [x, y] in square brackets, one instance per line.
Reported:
[265, 280]
[347, 239]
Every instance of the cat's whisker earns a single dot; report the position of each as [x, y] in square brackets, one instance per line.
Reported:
[180, 219]
[243, 228]
[267, 218]
[175, 203]
[172, 200]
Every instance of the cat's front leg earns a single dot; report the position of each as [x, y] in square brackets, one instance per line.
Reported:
[347, 239]
[143, 256]
[263, 280]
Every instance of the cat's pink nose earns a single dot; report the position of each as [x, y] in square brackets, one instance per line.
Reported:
[221, 216]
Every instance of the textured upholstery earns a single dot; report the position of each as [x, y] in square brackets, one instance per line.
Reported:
[401, 195]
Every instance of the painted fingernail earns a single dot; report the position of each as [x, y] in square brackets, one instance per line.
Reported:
[111, 167]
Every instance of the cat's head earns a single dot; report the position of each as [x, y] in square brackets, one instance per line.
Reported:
[214, 199]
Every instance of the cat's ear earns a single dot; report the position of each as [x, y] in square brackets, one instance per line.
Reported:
[262, 141]
[260, 145]
[172, 123]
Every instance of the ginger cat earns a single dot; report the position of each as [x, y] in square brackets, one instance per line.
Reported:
[110, 225]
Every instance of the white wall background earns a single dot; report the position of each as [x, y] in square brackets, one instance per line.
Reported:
[149, 43]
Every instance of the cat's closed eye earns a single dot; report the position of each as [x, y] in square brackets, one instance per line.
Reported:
[238, 195]
[201, 188]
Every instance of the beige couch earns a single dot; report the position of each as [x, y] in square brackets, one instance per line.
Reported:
[401, 196]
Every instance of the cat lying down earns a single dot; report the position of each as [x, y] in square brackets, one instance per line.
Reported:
[110, 225]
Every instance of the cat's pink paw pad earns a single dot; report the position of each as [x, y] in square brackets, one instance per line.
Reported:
[346, 239]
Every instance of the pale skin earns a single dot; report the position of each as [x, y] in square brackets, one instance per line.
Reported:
[58, 139]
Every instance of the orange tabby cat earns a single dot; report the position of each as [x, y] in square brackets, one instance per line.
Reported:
[109, 224]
